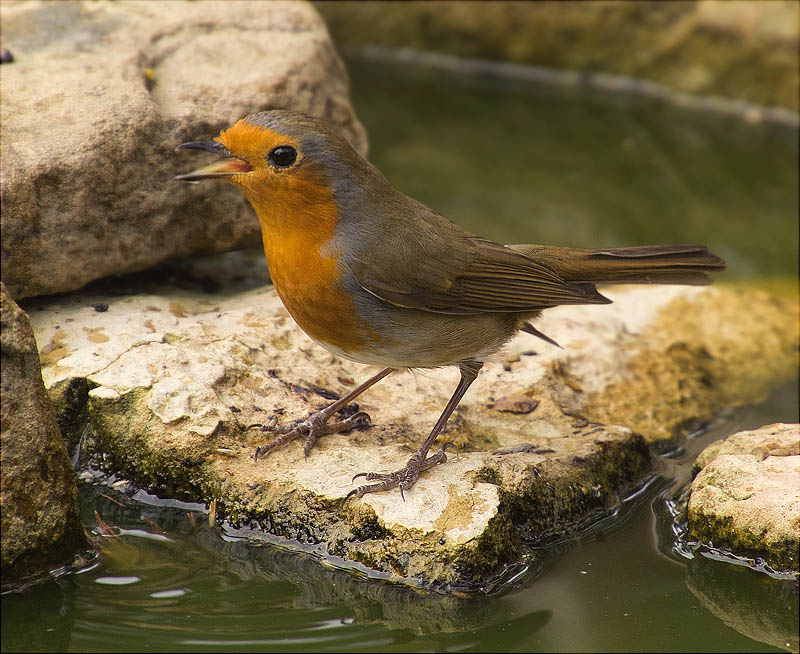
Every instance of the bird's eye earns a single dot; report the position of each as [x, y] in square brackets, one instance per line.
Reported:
[283, 156]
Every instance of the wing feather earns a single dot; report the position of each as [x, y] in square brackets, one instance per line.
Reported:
[470, 275]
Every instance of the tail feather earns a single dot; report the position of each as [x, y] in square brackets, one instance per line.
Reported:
[649, 264]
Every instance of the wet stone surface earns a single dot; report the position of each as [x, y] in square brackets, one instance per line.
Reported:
[172, 382]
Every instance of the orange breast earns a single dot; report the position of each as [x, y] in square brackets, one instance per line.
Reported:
[298, 216]
[308, 284]
[298, 224]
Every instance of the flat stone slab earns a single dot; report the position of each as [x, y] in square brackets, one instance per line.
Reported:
[171, 382]
[746, 495]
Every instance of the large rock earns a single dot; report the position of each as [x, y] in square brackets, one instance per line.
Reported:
[174, 379]
[98, 96]
[40, 526]
[746, 496]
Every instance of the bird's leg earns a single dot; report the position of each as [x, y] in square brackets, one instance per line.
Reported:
[419, 461]
[317, 424]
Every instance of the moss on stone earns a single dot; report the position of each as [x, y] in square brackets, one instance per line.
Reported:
[70, 399]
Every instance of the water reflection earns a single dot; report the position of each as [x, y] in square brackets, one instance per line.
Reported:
[760, 608]
[41, 619]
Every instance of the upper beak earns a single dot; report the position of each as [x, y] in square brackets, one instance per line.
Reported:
[221, 169]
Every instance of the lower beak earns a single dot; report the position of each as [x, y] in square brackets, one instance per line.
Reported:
[222, 169]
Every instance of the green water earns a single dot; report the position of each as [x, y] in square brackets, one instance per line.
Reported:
[517, 164]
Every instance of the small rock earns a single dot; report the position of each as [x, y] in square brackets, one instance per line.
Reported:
[746, 497]
[515, 404]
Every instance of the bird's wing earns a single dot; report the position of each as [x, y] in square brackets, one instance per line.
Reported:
[444, 269]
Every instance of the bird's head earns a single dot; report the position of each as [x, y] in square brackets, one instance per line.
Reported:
[276, 155]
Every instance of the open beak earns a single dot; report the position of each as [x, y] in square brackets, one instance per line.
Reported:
[222, 169]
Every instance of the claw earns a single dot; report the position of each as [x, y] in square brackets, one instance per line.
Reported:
[313, 427]
[371, 488]
[404, 478]
[313, 436]
[270, 426]
[317, 425]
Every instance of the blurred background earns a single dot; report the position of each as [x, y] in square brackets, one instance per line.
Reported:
[588, 123]
[740, 50]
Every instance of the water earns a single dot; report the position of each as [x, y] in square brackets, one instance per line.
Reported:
[517, 164]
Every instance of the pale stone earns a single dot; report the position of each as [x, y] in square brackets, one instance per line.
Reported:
[741, 50]
[746, 497]
[183, 375]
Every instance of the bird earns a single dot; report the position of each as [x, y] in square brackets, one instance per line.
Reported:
[376, 277]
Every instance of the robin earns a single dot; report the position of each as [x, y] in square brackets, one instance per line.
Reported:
[376, 277]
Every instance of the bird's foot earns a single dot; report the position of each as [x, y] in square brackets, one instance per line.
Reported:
[312, 428]
[403, 478]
